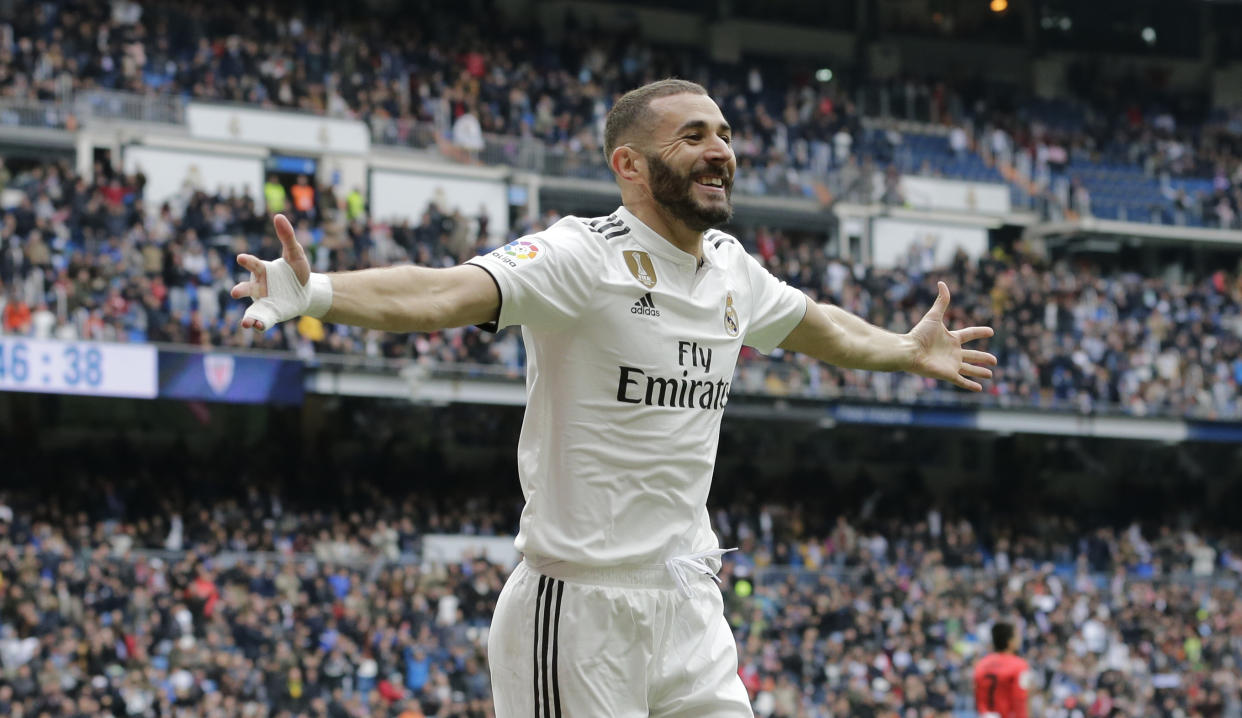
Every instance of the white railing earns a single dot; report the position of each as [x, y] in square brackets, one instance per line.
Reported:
[131, 107]
[19, 112]
[92, 105]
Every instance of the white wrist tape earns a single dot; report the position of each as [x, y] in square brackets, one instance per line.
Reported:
[288, 298]
[320, 295]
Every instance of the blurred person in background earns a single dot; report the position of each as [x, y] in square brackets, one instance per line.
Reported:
[1002, 679]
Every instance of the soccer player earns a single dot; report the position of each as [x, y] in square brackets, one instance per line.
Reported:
[632, 323]
[1002, 679]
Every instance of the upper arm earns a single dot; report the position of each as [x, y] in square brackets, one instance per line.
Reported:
[815, 334]
[468, 296]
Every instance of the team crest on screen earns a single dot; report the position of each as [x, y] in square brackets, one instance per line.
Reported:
[218, 369]
[639, 264]
[730, 317]
[520, 249]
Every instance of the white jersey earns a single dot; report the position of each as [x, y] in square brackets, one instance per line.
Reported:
[631, 349]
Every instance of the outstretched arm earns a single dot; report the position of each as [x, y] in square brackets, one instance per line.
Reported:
[835, 336]
[395, 299]
[413, 299]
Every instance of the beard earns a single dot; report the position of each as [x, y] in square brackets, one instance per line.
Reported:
[672, 191]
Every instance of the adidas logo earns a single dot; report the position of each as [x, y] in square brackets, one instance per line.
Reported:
[645, 306]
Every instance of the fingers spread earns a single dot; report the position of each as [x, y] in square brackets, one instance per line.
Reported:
[976, 371]
[251, 263]
[967, 384]
[288, 238]
[970, 334]
[243, 289]
[936, 313]
[284, 229]
[978, 357]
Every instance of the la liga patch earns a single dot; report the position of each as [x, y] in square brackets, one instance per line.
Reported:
[521, 250]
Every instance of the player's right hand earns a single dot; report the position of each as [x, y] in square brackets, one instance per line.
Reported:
[279, 288]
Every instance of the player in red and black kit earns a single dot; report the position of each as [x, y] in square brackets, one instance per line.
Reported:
[1001, 678]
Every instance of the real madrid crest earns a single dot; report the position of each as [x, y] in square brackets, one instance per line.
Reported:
[730, 316]
[639, 264]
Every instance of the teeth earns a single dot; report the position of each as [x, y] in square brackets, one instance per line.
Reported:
[712, 182]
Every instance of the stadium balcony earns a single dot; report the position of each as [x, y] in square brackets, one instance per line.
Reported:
[535, 167]
[926, 147]
[1117, 191]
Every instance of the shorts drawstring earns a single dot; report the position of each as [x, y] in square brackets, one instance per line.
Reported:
[682, 567]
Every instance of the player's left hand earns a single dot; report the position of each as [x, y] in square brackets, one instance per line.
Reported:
[939, 353]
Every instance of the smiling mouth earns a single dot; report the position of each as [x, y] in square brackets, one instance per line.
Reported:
[711, 182]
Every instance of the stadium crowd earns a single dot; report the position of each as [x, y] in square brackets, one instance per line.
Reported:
[1128, 144]
[436, 75]
[429, 66]
[1068, 334]
[271, 604]
[86, 259]
[254, 606]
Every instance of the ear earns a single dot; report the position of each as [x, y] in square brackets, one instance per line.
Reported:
[627, 163]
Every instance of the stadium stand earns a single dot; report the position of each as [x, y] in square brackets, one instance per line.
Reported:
[486, 94]
[240, 600]
[81, 260]
[1126, 163]
[145, 585]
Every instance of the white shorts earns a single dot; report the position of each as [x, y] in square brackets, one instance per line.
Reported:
[612, 643]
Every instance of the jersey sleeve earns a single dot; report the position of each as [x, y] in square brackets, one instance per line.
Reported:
[776, 307]
[545, 279]
[1022, 685]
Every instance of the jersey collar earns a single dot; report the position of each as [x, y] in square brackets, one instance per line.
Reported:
[653, 242]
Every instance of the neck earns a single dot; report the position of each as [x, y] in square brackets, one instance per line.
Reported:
[674, 231]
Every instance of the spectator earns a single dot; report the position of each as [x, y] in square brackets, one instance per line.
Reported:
[468, 134]
[16, 314]
[959, 142]
[303, 198]
[274, 196]
[356, 206]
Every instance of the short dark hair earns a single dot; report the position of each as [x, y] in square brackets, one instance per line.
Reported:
[633, 109]
[1002, 635]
